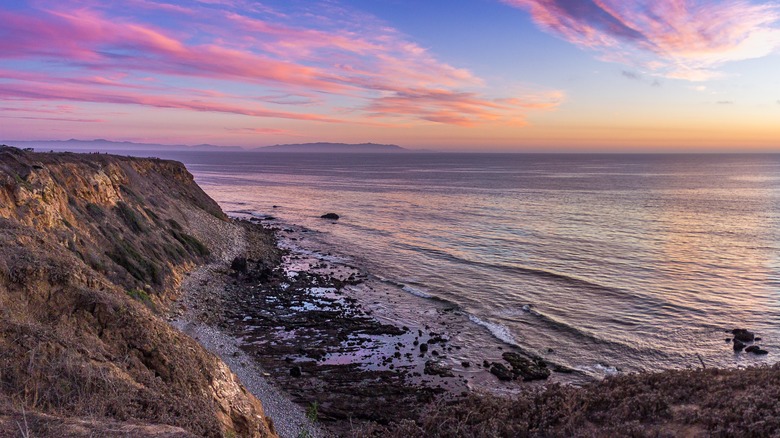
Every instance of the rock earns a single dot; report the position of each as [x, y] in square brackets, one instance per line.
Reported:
[423, 347]
[728, 340]
[527, 369]
[435, 368]
[756, 339]
[332, 216]
[562, 369]
[295, 371]
[751, 348]
[500, 371]
[760, 351]
[743, 335]
[239, 265]
[485, 364]
[738, 345]
[465, 364]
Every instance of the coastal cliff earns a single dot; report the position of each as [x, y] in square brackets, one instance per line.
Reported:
[92, 249]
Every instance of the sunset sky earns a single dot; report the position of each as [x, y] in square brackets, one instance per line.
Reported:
[487, 75]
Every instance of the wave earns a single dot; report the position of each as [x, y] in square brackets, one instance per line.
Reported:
[501, 332]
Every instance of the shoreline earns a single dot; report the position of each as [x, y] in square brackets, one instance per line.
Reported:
[250, 314]
[291, 327]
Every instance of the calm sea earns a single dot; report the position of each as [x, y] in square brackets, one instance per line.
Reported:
[603, 263]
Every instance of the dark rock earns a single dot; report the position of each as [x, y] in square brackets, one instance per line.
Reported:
[738, 345]
[760, 351]
[332, 216]
[423, 347]
[562, 369]
[751, 348]
[743, 335]
[295, 371]
[527, 369]
[485, 364]
[502, 372]
[728, 340]
[239, 265]
[465, 364]
[435, 368]
[756, 339]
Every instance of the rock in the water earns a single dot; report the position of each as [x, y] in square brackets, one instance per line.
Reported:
[527, 369]
[485, 364]
[738, 345]
[755, 349]
[333, 216]
[295, 371]
[423, 347]
[435, 368]
[465, 364]
[743, 335]
[500, 371]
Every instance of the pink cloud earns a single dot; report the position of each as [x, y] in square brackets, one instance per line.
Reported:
[458, 108]
[49, 92]
[683, 39]
[266, 131]
[109, 54]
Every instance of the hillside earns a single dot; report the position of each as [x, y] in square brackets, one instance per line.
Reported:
[92, 248]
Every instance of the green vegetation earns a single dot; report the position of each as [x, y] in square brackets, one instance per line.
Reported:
[311, 415]
[131, 194]
[190, 243]
[22, 182]
[135, 264]
[130, 218]
[95, 211]
[141, 296]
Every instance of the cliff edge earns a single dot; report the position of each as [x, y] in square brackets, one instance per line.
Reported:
[92, 249]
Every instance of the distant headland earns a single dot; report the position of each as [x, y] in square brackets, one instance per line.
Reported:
[103, 145]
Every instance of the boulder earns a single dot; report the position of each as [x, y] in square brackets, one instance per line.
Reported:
[526, 368]
[295, 371]
[738, 345]
[502, 372]
[239, 265]
[423, 347]
[751, 348]
[743, 335]
[435, 368]
[332, 216]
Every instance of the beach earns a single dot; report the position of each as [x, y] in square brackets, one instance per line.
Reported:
[289, 327]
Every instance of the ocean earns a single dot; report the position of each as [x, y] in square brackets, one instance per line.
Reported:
[601, 263]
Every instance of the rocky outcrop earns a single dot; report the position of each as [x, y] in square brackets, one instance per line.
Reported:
[92, 248]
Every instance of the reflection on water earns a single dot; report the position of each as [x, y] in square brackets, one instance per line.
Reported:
[638, 262]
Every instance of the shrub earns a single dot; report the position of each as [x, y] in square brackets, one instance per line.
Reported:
[130, 218]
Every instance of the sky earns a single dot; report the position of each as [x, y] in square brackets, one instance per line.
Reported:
[460, 75]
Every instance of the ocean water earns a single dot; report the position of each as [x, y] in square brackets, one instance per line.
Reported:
[602, 263]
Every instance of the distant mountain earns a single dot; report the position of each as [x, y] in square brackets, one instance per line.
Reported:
[101, 145]
[335, 148]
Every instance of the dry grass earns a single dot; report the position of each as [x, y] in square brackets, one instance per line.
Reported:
[727, 403]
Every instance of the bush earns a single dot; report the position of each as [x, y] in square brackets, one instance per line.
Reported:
[130, 218]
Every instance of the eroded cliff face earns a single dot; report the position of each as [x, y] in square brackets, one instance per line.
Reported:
[92, 248]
